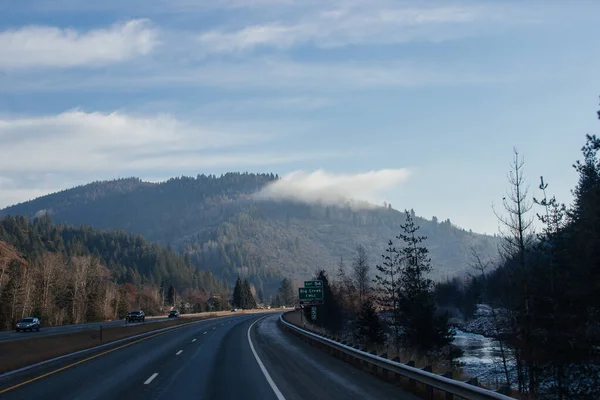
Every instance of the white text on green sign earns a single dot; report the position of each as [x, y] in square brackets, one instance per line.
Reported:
[310, 293]
[313, 284]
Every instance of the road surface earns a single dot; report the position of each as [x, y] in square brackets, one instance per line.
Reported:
[7, 336]
[211, 359]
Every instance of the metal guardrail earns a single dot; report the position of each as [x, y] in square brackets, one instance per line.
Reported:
[429, 379]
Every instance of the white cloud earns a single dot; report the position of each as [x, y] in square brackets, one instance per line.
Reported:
[49, 153]
[45, 46]
[344, 26]
[80, 141]
[275, 73]
[328, 188]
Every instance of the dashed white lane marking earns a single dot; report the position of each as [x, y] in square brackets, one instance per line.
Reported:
[205, 333]
[193, 340]
[179, 352]
[154, 375]
[222, 324]
[262, 366]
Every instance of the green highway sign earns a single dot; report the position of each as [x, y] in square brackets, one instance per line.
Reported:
[311, 284]
[311, 293]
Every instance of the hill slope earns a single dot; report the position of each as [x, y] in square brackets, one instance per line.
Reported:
[219, 224]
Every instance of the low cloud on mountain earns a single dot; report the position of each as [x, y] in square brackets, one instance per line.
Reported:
[361, 190]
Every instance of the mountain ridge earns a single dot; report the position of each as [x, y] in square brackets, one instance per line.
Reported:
[220, 224]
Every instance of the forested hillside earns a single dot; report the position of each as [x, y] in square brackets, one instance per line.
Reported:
[72, 275]
[219, 224]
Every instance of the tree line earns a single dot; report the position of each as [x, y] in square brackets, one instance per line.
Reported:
[547, 283]
[63, 274]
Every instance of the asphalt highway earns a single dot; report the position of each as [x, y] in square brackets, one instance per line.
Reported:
[234, 357]
[8, 336]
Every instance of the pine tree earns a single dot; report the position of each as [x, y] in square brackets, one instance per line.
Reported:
[369, 327]
[171, 295]
[387, 281]
[286, 295]
[360, 269]
[329, 314]
[423, 330]
[237, 293]
[248, 301]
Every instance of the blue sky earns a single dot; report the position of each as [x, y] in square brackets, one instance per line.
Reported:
[418, 103]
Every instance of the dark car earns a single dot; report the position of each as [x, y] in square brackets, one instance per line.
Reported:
[136, 316]
[174, 314]
[28, 324]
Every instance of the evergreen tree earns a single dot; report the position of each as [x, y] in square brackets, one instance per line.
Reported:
[423, 330]
[171, 296]
[388, 284]
[360, 269]
[237, 293]
[286, 295]
[369, 327]
[329, 314]
[248, 301]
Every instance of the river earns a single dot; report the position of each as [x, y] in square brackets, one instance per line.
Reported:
[482, 358]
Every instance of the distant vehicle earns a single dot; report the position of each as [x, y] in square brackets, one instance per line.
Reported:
[28, 324]
[234, 309]
[136, 316]
[174, 314]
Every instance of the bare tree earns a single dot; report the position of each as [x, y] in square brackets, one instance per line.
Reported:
[517, 233]
[360, 269]
[48, 271]
[516, 225]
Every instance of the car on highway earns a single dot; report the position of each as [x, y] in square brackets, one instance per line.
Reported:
[28, 324]
[234, 309]
[136, 316]
[173, 314]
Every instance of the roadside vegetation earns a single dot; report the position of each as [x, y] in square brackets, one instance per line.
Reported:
[542, 290]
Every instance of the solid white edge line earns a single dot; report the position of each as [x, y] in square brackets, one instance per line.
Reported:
[262, 366]
[154, 375]
[179, 352]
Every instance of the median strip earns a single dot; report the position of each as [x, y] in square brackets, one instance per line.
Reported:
[37, 351]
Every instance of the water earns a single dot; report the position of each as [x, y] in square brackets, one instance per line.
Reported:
[482, 358]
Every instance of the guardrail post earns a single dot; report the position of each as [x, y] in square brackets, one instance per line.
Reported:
[450, 375]
[364, 364]
[397, 376]
[374, 366]
[384, 371]
[411, 382]
[428, 389]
